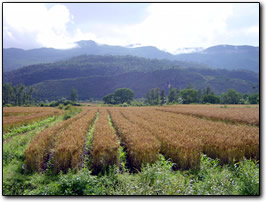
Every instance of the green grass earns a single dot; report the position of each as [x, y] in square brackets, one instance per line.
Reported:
[121, 150]
[88, 160]
[157, 179]
[14, 149]
[70, 111]
[14, 178]
[26, 128]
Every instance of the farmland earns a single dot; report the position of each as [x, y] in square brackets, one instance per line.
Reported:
[183, 150]
[19, 116]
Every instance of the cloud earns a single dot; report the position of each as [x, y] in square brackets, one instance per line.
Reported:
[170, 26]
[40, 26]
[47, 26]
[252, 30]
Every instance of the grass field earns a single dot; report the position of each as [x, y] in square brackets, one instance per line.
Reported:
[168, 150]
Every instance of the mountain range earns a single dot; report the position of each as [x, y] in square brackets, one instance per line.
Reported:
[95, 76]
[221, 56]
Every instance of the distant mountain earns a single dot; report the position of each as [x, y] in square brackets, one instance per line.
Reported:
[95, 76]
[187, 50]
[14, 58]
[224, 56]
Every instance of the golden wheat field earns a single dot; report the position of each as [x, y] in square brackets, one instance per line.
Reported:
[179, 133]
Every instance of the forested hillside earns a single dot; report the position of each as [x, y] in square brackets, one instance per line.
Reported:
[95, 76]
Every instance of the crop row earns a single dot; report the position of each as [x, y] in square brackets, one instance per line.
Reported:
[70, 145]
[234, 115]
[140, 145]
[105, 144]
[29, 116]
[182, 150]
[216, 139]
[41, 147]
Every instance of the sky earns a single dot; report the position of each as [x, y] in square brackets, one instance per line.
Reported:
[168, 26]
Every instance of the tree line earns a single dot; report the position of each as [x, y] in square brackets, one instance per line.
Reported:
[189, 95]
[17, 95]
[21, 95]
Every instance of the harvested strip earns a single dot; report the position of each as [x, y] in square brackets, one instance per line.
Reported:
[27, 109]
[37, 154]
[31, 116]
[141, 146]
[71, 142]
[234, 115]
[24, 129]
[105, 144]
[6, 114]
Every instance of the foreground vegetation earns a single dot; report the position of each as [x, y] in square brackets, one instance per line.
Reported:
[156, 179]
[135, 150]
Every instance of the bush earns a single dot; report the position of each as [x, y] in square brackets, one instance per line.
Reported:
[61, 106]
[68, 107]
[248, 174]
[80, 183]
[124, 105]
[8, 105]
[53, 104]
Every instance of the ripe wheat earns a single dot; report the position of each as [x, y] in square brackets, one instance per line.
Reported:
[70, 144]
[141, 146]
[39, 151]
[105, 144]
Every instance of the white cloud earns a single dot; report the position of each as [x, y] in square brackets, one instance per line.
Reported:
[167, 26]
[252, 30]
[8, 33]
[48, 26]
[170, 26]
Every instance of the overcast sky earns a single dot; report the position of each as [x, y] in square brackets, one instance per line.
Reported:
[168, 26]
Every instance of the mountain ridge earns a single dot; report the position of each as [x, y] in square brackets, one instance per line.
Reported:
[243, 57]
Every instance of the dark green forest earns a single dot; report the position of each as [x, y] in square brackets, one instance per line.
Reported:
[97, 76]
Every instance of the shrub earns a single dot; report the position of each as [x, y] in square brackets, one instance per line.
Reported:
[68, 107]
[61, 106]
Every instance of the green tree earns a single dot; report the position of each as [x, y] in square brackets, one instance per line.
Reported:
[209, 96]
[189, 96]
[109, 99]
[19, 93]
[213, 99]
[208, 90]
[162, 98]
[200, 96]
[190, 86]
[153, 96]
[254, 98]
[8, 94]
[123, 95]
[172, 94]
[30, 92]
[231, 96]
[74, 95]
